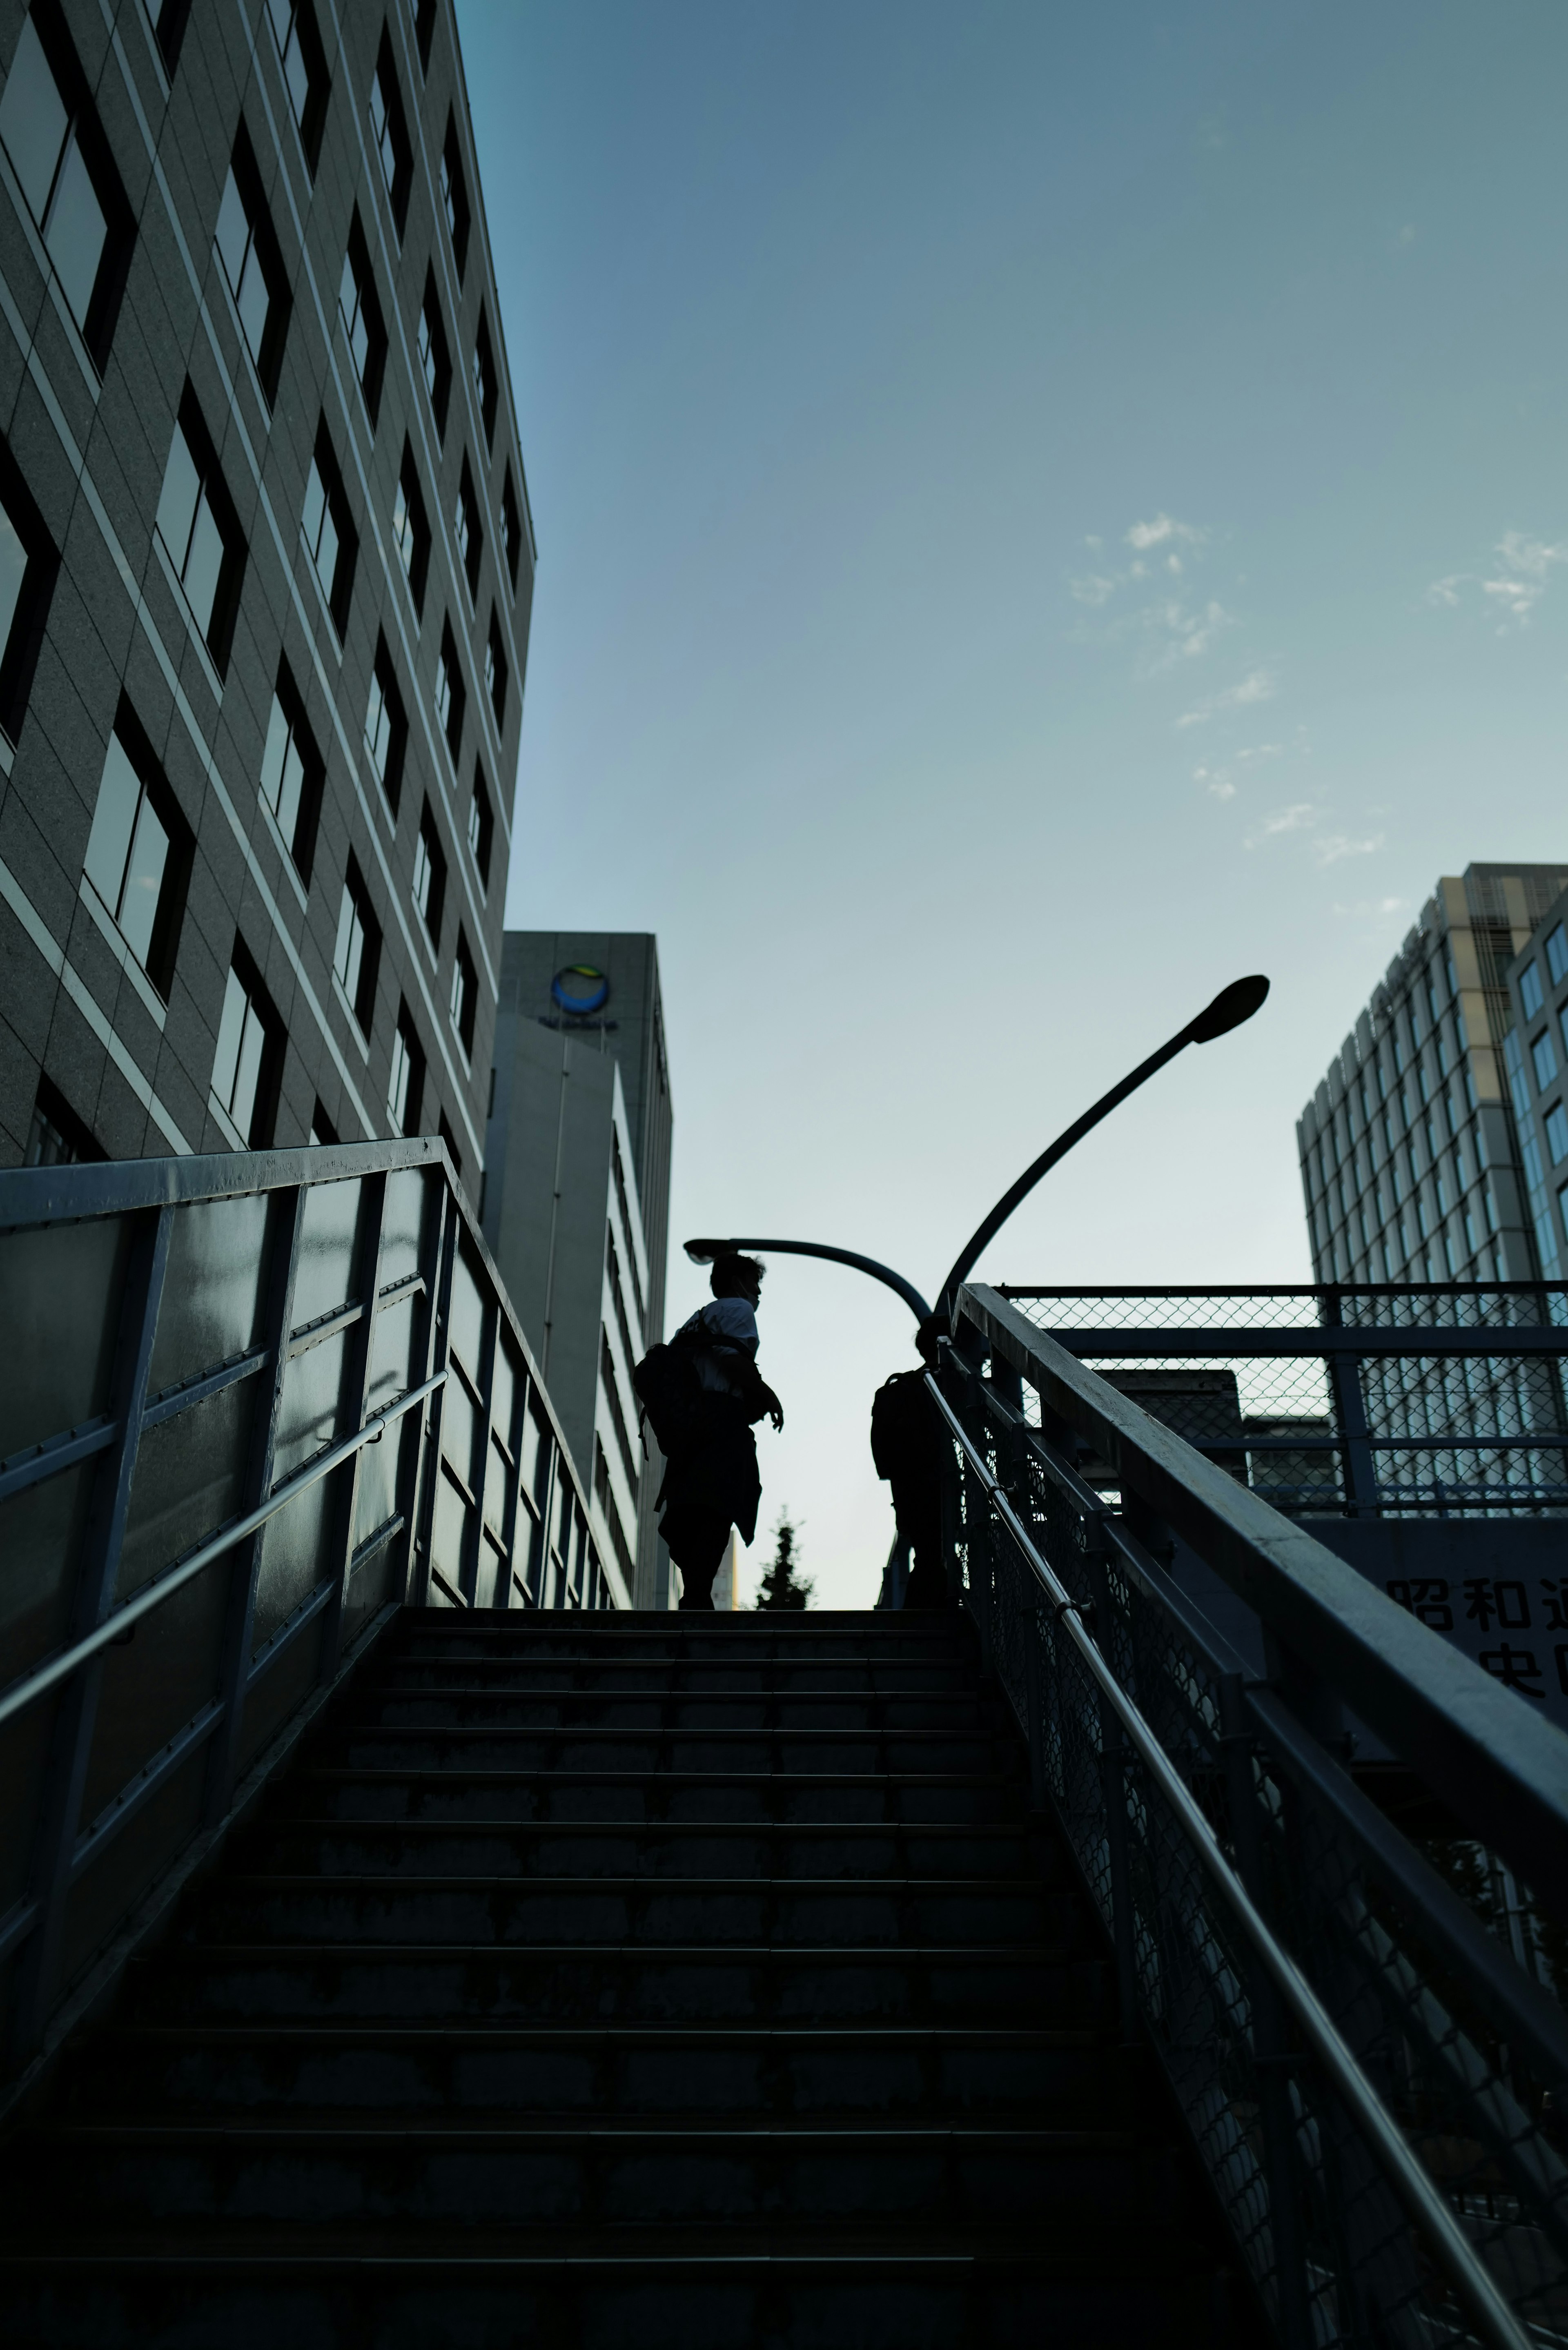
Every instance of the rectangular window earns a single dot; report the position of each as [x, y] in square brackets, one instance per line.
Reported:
[449, 693]
[329, 533]
[424, 31]
[357, 955]
[1530, 993]
[1557, 1133]
[248, 1062]
[464, 994]
[386, 724]
[321, 1127]
[480, 827]
[51, 132]
[468, 529]
[292, 773]
[429, 875]
[1557, 955]
[1544, 1059]
[360, 306]
[390, 130]
[252, 265]
[405, 1080]
[29, 565]
[303, 63]
[435, 354]
[511, 527]
[495, 671]
[57, 1136]
[454, 195]
[484, 378]
[410, 530]
[138, 852]
[197, 524]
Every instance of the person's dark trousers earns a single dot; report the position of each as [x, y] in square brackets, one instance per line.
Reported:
[696, 1540]
[919, 1514]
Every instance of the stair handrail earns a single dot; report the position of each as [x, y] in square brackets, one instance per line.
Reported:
[1477, 2295]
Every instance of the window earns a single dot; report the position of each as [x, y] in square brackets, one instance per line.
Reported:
[405, 1080]
[28, 565]
[329, 533]
[1530, 993]
[468, 528]
[292, 773]
[57, 1137]
[495, 671]
[386, 725]
[1557, 1133]
[304, 65]
[170, 18]
[480, 827]
[454, 195]
[484, 378]
[449, 691]
[358, 952]
[321, 1127]
[248, 1062]
[252, 265]
[464, 995]
[510, 526]
[197, 525]
[410, 531]
[445, 1129]
[429, 875]
[390, 132]
[424, 31]
[138, 852]
[61, 156]
[1544, 1058]
[363, 323]
[435, 354]
[1557, 955]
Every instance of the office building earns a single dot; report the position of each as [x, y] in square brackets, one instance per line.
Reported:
[265, 573]
[1535, 1056]
[1411, 1164]
[576, 1206]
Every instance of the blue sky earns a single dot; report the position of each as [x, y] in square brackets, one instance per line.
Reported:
[1040, 511]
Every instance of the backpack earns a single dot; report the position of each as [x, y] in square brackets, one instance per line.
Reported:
[904, 1426]
[670, 1391]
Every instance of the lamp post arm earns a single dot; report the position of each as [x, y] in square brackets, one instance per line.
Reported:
[703, 1252]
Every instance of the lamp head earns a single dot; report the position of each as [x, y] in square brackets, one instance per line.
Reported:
[704, 1252]
[1229, 1008]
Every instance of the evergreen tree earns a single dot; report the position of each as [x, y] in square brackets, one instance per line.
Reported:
[782, 1584]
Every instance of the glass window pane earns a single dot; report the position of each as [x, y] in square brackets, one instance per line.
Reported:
[348, 294]
[203, 565]
[253, 305]
[282, 14]
[315, 507]
[114, 820]
[288, 811]
[227, 1059]
[178, 499]
[143, 881]
[326, 550]
[351, 946]
[247, 1076]
[295, 76]
[33, 119]
[274, 755]
[234, 235]
[76, 232]
[377, 728]
[398, 1083]
[13, 571]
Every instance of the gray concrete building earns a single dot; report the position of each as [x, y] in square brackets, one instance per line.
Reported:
[265, 573]
[1412, 1163]
[1535, 1057]
[576, 1206]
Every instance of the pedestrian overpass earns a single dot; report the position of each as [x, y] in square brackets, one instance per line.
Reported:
[400, 1941]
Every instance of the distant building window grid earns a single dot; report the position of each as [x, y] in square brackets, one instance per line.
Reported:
[454, 195]
[435, 355]
[389, 128]
[363, 323]
[410, 529]
[468, 529]
[43, 136]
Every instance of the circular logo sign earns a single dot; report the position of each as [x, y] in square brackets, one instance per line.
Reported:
[580, 988]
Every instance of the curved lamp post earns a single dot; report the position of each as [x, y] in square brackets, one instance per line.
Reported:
[1230, 1007]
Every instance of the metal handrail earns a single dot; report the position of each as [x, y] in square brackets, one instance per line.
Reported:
[26, 1692]
[1477, 2295]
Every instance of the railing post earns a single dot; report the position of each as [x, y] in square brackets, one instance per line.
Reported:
[70, 1744]
[1114, 1795]
[427, 1449]
[1350, 1411]
[357, 1387]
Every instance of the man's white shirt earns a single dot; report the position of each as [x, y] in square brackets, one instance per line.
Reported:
[733, 1322]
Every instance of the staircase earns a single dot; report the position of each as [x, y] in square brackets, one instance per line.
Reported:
[628, 1982]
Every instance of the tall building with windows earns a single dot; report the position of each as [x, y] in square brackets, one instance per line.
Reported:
[576, 1206]
[1424, 1151]
[265, 575]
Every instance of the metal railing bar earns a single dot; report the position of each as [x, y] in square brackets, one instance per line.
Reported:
[273, 1647]
[1546, 1439]
[1339, 1289]
[16, 1925]
[387, 1532]
[55, 1453]
[325, 1326]
[1481, 1750]
[1478, 2295]
[75, 1193]
[26, 1692]
[411, 1286]
[1377, 1341]
[188, 1392]
[146, 1783]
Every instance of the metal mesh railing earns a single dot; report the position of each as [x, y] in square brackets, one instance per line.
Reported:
[1465, 2051]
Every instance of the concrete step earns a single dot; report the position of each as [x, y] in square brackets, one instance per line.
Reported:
[495, 1745]
[694, 1677]
[464, 1703]
[1060, 1984]
[706, 1797]
[657, 1849]
[1062, 2079]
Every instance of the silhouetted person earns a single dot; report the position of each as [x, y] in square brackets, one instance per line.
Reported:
[908, 1440]
[710, 1482]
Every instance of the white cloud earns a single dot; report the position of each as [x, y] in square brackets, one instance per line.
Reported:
[1364, 906]
[1259, 685]
[1515, 587]
[1336, 846]
[1260, 751]
[1144, 534]
[1093, 588]
[1298, 818]
[1218, 780]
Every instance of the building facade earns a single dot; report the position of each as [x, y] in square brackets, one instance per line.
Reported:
[265, 575]
[1535, 1056]
[576, 1206]
[1412, 1165]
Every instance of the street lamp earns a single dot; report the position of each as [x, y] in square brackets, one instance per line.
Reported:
[1230, 1007]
